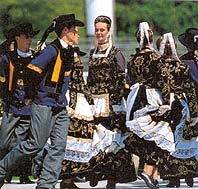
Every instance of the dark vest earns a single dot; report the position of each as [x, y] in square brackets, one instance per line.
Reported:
[16, 71]
[48, 85]
[15, 85]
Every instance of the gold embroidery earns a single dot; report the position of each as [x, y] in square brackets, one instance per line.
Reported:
[20, 82]
[35, 68]
[79, 139]
[2, 79]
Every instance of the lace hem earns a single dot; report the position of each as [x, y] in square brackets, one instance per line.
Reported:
[82, 150]
[159, 132]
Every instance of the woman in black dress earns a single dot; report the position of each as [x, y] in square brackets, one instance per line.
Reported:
[181, 163]
[148, 106]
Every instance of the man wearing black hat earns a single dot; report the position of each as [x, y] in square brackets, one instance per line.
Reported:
[49, 74]
[190, 40]
[15, 125]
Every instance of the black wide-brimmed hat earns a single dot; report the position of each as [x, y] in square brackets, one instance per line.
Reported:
[67, 19]
[23, 28]
[189, 38]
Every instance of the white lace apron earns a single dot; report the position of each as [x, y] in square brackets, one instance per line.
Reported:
[142, 123]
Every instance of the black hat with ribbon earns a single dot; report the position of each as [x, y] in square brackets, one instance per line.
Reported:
[23, 28]
[67, 19]
[190, 38]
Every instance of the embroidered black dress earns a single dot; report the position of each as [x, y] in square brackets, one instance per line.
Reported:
[80, 128]
[151, 135]
[106, 79]
[182, 163]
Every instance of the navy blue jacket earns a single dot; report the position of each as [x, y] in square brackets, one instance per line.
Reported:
[48, 90]
[12, 83]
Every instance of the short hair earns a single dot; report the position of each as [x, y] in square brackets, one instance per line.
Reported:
[58, 29]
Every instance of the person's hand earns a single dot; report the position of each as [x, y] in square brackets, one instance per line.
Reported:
[28, 102]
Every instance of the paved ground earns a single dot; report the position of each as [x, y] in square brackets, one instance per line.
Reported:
[139, 184]
[85, 185]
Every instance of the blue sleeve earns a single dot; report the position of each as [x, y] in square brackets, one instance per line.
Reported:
[4, 62]
[45, 57]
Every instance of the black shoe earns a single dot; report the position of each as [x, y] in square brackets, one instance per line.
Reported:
[8, 178]
[173, 183]
[110, 184]
[149, 181]
[189, 181]
[25, 180]
[68, 185]
[93, 180]
[93, 183]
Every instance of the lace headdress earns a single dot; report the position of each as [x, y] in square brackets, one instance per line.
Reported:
[168, 37]
[143, 29]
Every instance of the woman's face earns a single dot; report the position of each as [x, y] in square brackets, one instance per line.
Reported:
[101, 31]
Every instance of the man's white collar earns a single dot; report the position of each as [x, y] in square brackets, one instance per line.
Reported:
[24, 54]
[63, 43]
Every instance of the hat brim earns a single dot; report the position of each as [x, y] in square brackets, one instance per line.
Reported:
[184, 42]
[35, 32]
[10, 34]
[76, 23]
[30, 33]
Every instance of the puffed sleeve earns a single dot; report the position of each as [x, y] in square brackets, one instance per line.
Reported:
[120, 73]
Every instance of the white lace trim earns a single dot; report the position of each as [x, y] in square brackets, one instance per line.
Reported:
[159, 132]
[82, 150]
[143, 125]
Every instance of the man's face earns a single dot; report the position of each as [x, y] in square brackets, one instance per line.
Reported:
[72, 35]
[23, 42]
